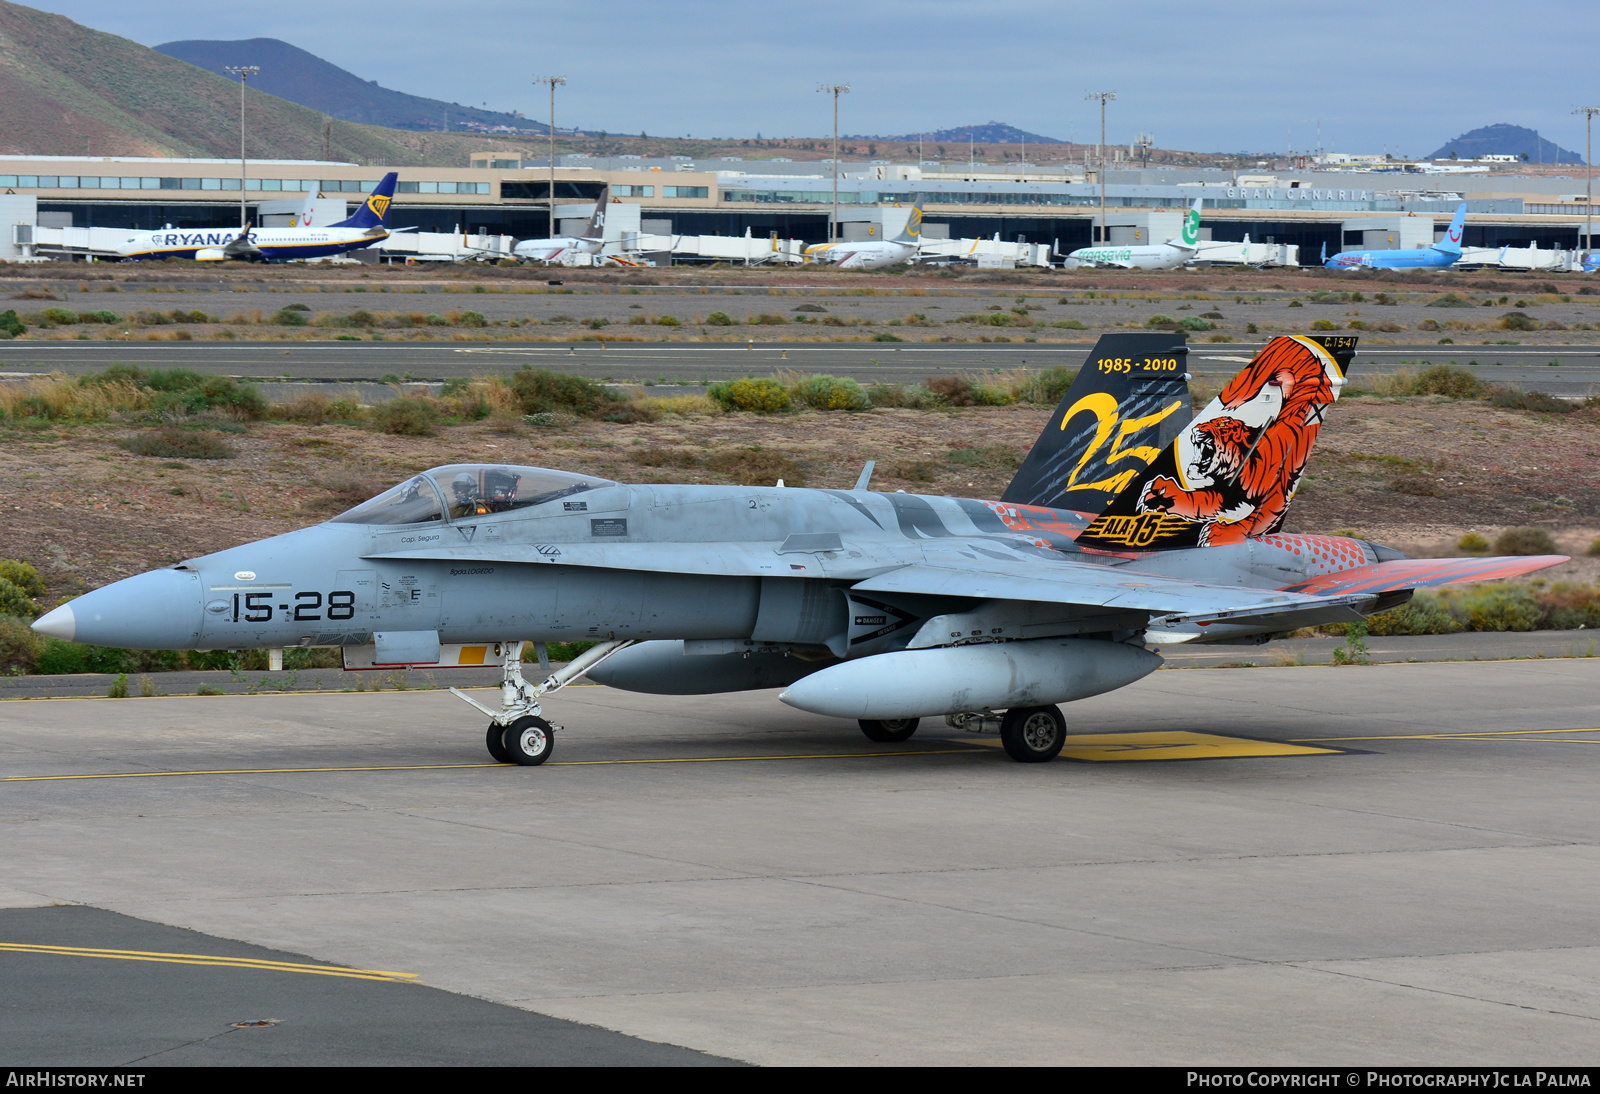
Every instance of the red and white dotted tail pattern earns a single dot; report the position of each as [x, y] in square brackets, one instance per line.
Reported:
[1322, 554]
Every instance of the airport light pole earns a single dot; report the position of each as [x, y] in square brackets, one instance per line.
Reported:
[554, 82]
[244, 72]
[835, 90]
[1100, 154]
[1588, 113]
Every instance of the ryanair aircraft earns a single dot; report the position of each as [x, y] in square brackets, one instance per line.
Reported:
[363, 229]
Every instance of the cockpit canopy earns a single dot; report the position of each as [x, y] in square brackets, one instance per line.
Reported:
[466, 490]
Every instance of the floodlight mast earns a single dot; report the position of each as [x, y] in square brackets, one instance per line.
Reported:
[1588, 113]
[554, 82]
[1100, 154]
[244, 72]
[835, 90]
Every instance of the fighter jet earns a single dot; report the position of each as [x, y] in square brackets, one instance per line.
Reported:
[881, 607]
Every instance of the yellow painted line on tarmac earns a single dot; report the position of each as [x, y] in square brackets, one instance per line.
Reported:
[213, 960]
[1486, 735]
[1171, 745]
[456, 767]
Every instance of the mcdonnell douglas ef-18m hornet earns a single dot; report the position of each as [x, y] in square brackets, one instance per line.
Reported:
[1443, 253]
[363, 229]
[1128, 528]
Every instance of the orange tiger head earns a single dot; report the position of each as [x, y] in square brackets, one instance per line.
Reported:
[1222, 444]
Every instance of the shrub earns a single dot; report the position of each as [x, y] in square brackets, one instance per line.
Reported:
[1473, 542]
[667, 321]
[758, 395]
[768, 319]
[1524, 541]
[1428, 325]
[433, 319]
[1162, 322]
[1324, 324]
[540, 390]
[1421, 486]
[755, 466]
[61, 316]
[22, 575]
[811, 308]
[913, 396]
[994, 457]
[954, 390]
[1449, 300]
[596, 323]
[1494, 607]
[1194, 322]
[1516, 320]
[19, 645]
[1422, 615]
[885, 336]
[1594, 548]
[472, 319]
[175, 443]
[913, 471]
[830, 393]
[101, 316]
[291, 316]
[1514, 398]
[14, 601]
[719, 319]
[1069, 324]
[10, 325]
[1046, 388]
[1451, 380]
[408, 416]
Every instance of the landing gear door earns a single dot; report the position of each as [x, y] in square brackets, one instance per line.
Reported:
[363, 585]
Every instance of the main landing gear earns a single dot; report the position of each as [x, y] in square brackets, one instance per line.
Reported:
[517, 734]
[890, 730]
[1032, 735]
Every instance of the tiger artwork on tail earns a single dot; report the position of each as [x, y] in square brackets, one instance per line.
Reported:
[1231, 474]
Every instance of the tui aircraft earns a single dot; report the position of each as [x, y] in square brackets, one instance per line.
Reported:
[1128, 528]
[1443, 253]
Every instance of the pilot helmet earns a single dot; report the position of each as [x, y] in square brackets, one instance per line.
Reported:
[464, 486]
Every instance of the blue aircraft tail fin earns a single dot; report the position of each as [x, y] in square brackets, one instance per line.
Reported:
[375, 208]
[1452, 235]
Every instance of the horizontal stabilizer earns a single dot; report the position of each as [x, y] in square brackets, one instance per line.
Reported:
[1422, 573]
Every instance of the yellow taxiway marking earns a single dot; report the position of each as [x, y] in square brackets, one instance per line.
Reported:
[454, 767]
[1171, 745]
[215, 960]
[1487, 735]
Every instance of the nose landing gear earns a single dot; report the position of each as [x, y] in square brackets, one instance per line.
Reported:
[517, 734]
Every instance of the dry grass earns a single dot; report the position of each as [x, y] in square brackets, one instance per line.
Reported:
[61, 399]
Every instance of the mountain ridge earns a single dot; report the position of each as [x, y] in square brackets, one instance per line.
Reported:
[299, 76]
[1503, 139]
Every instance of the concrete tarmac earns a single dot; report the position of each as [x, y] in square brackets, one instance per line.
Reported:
[1576, 372]
[1384, 865]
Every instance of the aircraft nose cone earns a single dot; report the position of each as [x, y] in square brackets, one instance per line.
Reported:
[159, 610]
[57, 623]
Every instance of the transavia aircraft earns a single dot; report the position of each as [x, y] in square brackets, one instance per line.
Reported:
[591, 243]
[1128, 528]
[363, 229]
[901, 246]
[1159, 256]
[1441, 254]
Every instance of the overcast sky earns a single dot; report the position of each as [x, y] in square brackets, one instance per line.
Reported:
[1248, 75]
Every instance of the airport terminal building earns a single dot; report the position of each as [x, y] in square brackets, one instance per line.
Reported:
[1060, 206]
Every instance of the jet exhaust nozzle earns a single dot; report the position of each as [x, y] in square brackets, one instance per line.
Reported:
[952, 679]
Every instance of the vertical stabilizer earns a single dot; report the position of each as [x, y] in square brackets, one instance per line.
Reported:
[1232, 473]
[596, 228]
[375, 208]
[1130, 399]
[1189, 237]
[1451, 243]
[912, 232]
